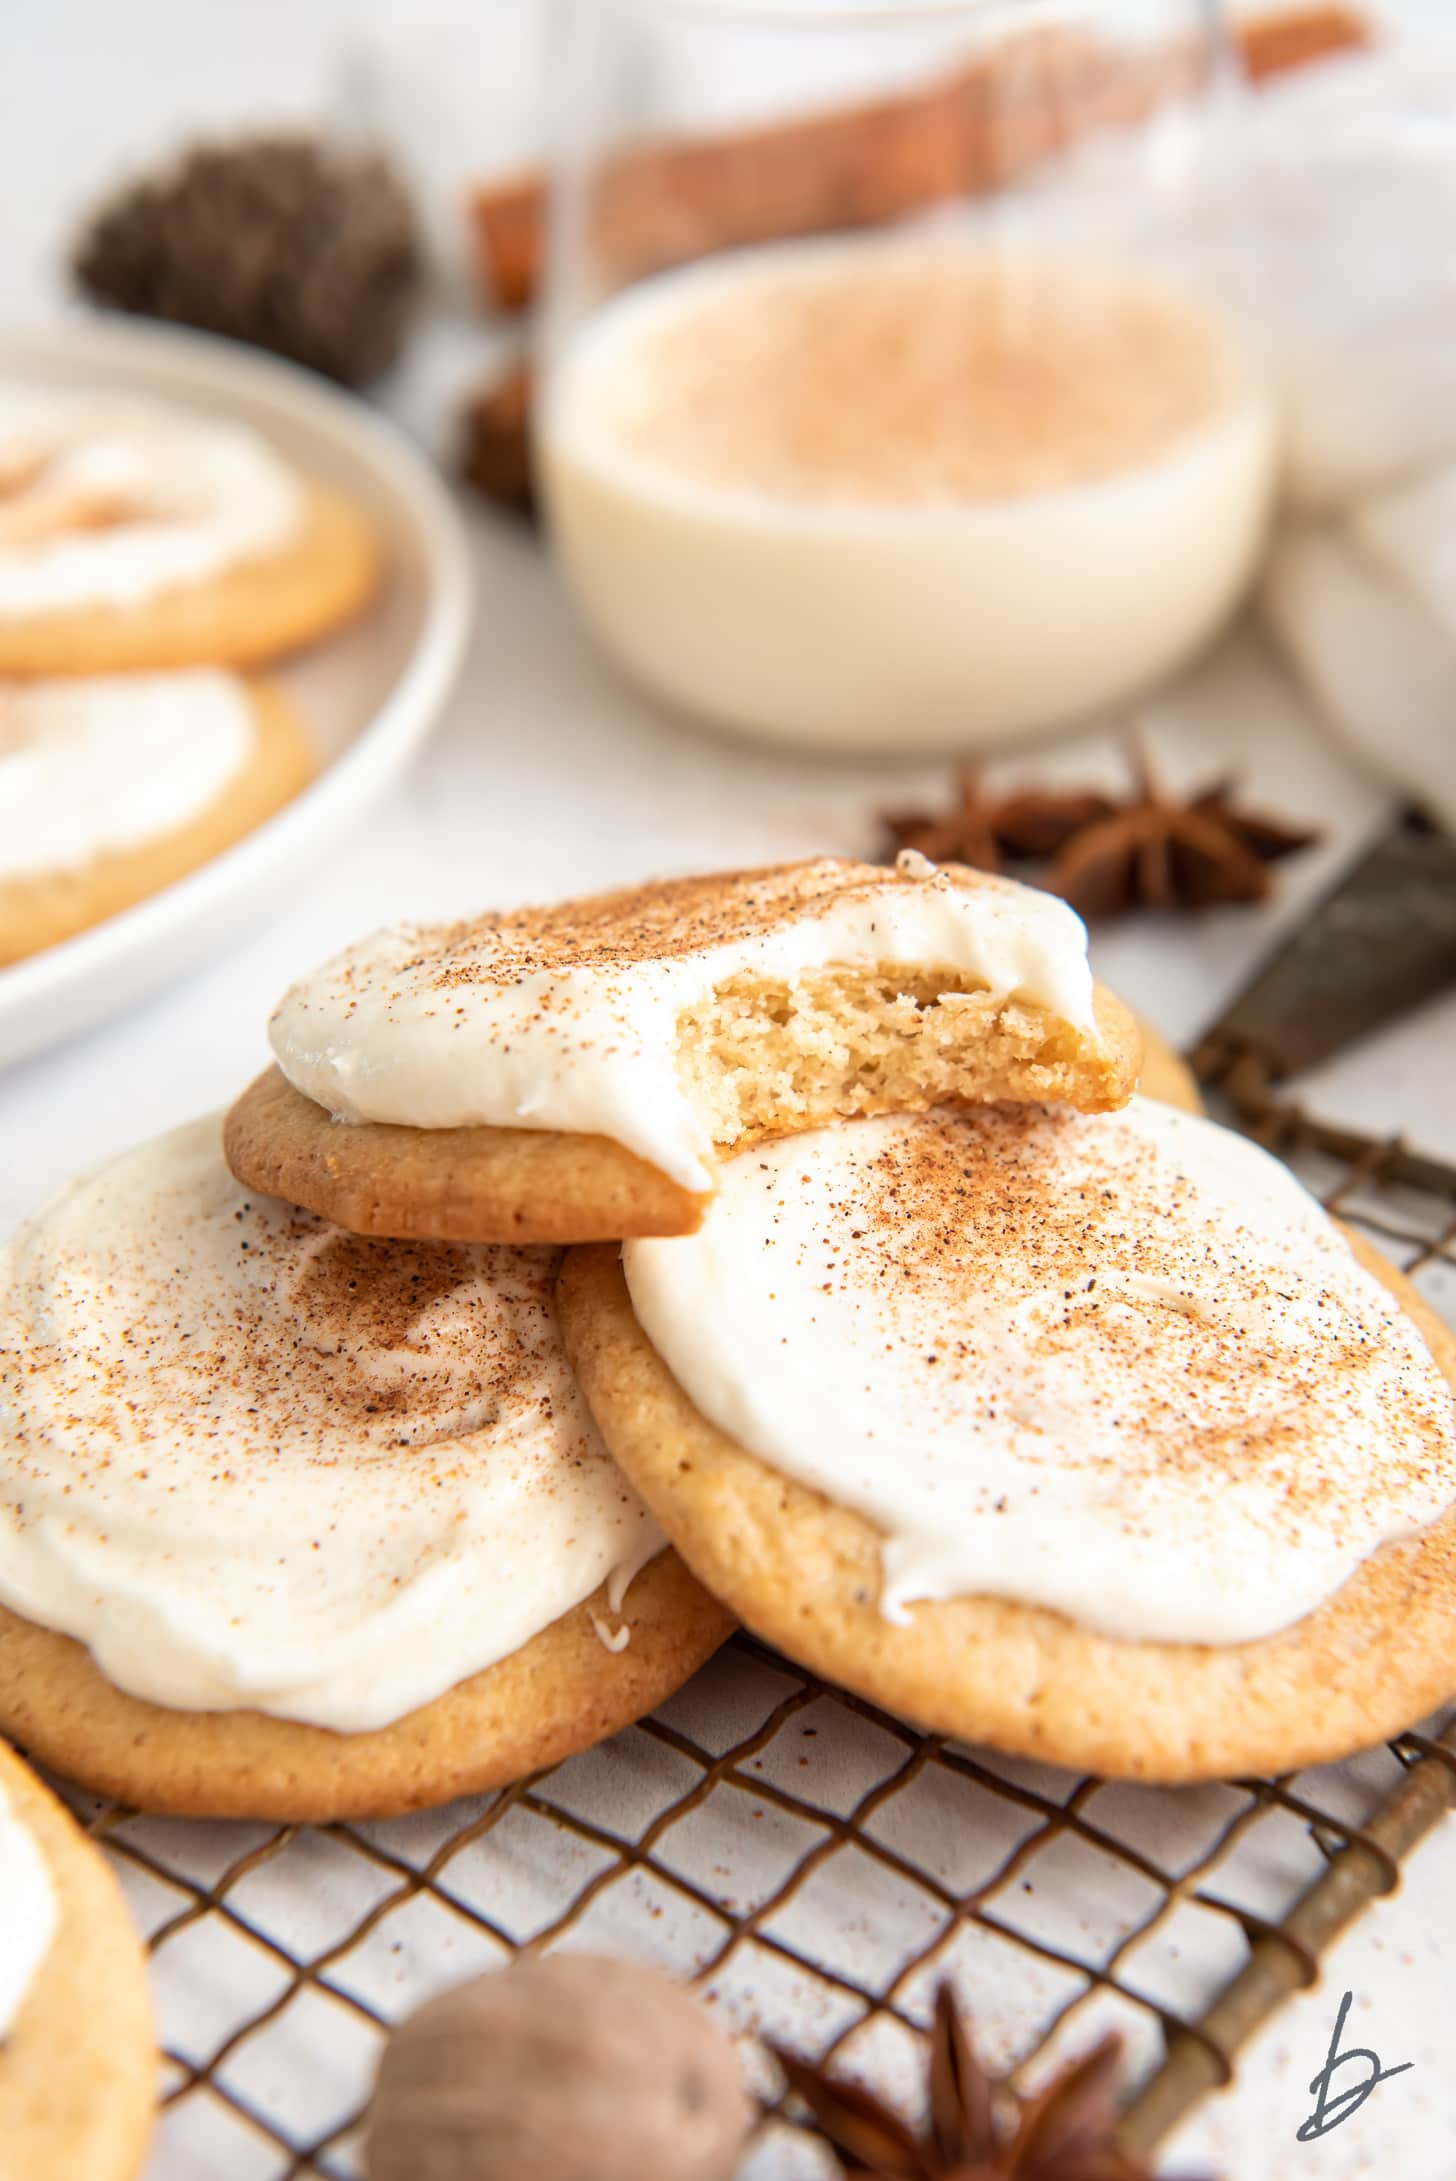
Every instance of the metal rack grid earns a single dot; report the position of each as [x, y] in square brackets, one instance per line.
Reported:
[815, 1866]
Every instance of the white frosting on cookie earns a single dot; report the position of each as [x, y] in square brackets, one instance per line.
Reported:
[89, 767]
[1123, 1366]
[110, 501]
[566, 1018]
[28, 1912]
[250, 1460]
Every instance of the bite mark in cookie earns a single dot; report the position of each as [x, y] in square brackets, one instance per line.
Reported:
[675, 1022]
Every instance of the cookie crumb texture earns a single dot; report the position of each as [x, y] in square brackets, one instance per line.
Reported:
[675, 1022]
[766, 1058]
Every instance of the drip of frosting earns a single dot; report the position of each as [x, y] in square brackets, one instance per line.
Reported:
[90, 767]
[1123, 1367]
[28, 1913]
[108, 502]
[566, 1018]
[251, 1460]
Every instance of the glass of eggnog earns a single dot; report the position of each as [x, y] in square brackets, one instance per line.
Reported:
[897, 390]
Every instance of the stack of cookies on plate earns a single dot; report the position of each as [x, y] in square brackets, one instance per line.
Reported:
[148, 556]
[787, 1247]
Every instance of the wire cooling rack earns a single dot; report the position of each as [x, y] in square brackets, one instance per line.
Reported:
[815, 1866]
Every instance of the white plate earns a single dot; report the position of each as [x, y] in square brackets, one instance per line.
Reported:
[368, 696]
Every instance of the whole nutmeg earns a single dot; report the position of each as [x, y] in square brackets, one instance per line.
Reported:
[564, 2067]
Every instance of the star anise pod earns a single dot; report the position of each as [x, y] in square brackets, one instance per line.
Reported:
[1064, 2133]
[1159, 851]
[1154, 851]
[985, 830]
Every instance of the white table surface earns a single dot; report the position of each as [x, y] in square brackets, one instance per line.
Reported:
[548, 775]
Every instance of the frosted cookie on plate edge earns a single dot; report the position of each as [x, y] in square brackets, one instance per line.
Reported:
[1091, 1438]
[77, 2054]
[575, 1073]
[137, 535]
[112, 788]
[296, 1525]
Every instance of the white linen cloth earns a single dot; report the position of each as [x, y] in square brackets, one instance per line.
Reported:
[1356, 188]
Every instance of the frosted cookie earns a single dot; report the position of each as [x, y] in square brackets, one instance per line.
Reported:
[77, 2055]
[135, 536]
[112, 788]
[574, 1073]
[1093, 1439]
[297, 1526]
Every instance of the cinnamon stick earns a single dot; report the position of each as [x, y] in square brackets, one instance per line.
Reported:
[865, 165]
[1273, 44]
[496, 457]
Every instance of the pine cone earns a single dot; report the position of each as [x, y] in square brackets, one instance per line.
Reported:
[296, 245]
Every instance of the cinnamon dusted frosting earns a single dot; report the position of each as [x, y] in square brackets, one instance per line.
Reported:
[565, 1018]
[108, 501]
[1123, 1367]
[252, 1461]
[784, 374]
[91, 766]
[28, 1912]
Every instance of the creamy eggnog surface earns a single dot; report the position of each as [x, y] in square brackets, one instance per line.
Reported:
[897, 493]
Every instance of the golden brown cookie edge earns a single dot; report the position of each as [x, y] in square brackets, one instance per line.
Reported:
[560, 1693]
[1165, 1074]
[40, 912]
[252, 612]
[485, 1184]
[804, 1573]
[78, 2069]
[516, 1185]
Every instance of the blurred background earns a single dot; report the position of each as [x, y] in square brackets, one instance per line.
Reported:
[1328, 705]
